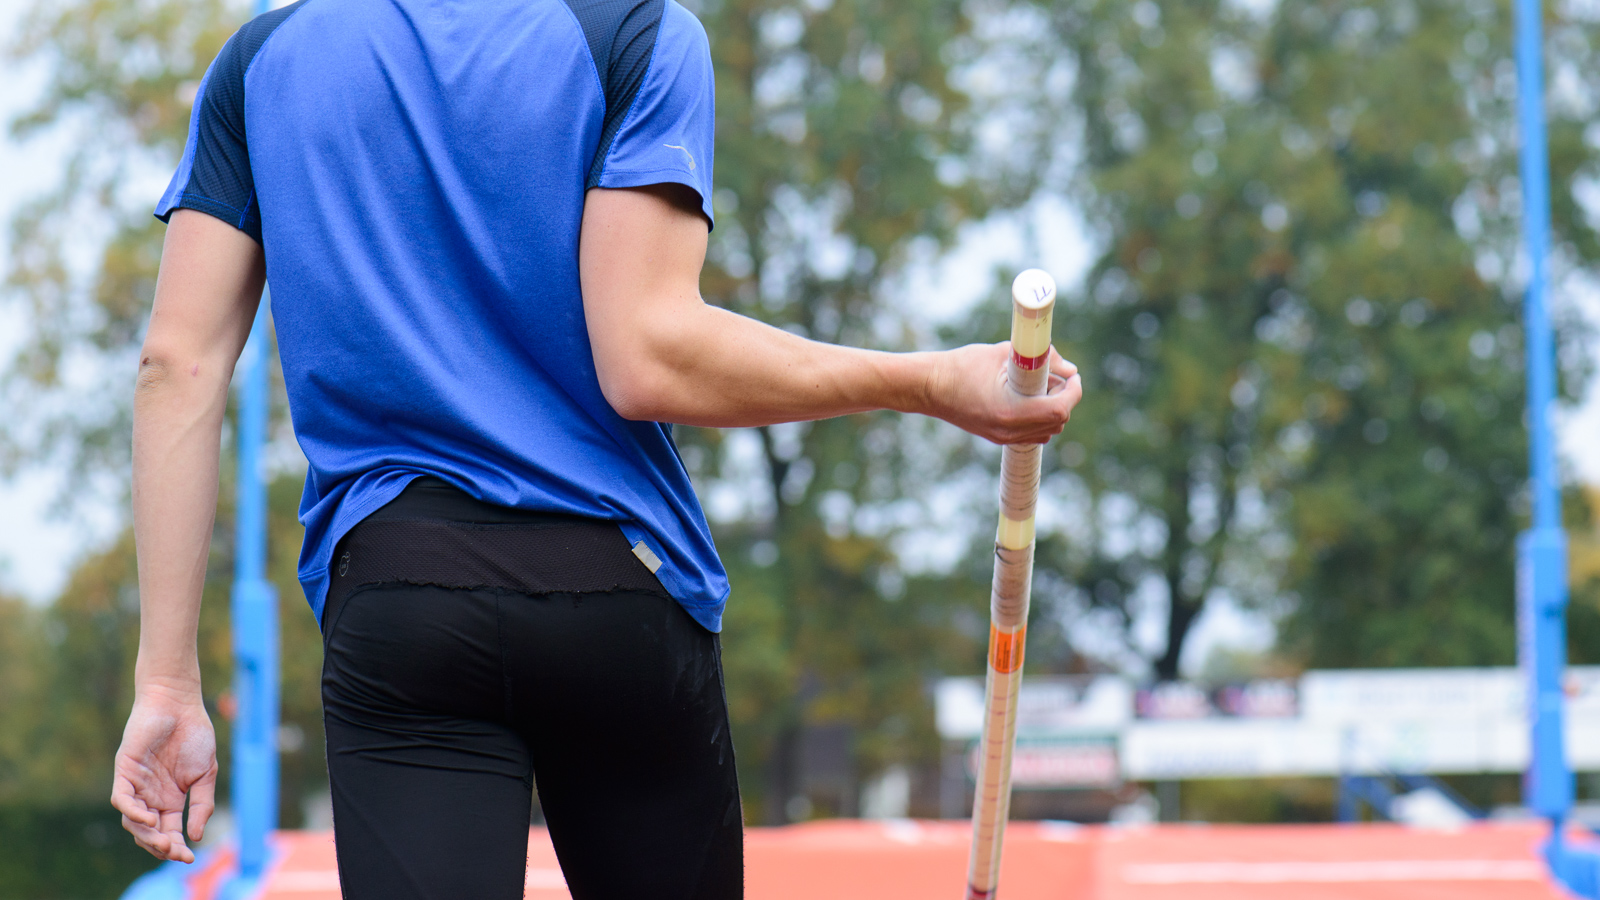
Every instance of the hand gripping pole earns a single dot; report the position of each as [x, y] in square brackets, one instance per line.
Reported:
[1033, 296]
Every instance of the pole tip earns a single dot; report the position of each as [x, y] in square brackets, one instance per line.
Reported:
[1034, 289]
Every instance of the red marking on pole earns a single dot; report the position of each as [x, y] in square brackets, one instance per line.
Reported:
[975, 894]
[1005, 650]
[1029, 362]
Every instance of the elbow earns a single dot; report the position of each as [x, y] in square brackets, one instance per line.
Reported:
[161, 369]
[633, 392]
[155, 372]
[646, 371]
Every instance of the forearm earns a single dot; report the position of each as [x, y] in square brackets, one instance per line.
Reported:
[177, 421]
[710, 367]
[662, 354]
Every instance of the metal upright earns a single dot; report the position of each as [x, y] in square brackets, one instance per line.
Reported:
[255, 631]
[255, 623]
[1542, 549]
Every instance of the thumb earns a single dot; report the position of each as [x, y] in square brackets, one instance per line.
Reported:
[202, 802]
[1060, 365]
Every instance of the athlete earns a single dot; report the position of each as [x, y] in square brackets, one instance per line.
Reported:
[483, 225]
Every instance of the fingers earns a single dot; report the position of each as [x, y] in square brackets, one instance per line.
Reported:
[996, 413]
[160, 844]
[1060, 365]
[134, 810]
[1051, 412]
[202, 802]
[1071, 393]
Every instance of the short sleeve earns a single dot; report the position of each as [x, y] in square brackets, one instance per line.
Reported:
[667, 132]
[214, 174]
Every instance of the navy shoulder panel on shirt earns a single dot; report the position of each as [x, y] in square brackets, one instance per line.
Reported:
[220, 182]
[622, 38]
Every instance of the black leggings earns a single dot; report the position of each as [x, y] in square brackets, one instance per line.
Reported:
[456, 675]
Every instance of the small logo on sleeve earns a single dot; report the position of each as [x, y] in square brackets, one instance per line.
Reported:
[685, 153]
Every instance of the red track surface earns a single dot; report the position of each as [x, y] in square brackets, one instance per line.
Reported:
[852, 860]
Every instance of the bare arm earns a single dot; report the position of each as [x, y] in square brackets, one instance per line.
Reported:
[206, 297]
[663, 354]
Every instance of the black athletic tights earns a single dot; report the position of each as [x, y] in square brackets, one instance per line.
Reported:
[472, 650]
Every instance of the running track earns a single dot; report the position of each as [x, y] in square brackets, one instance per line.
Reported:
[855, 860]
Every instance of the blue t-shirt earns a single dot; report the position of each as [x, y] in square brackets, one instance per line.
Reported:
[415, 171]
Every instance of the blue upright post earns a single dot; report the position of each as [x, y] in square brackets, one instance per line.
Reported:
[1542, 549]
[255, 633]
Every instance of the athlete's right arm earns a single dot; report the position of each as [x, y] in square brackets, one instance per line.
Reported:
[206, 298]
[664, 354]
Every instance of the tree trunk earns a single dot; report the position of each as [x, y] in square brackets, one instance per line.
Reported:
[1181, 610]
[783, 771]
[783, 766]
[1183, 614]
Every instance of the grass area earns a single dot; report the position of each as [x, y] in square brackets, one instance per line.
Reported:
[66, 853]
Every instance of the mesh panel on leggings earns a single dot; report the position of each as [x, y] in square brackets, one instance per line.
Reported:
[532, 559]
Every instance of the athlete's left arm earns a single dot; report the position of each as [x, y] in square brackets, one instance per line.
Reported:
[206, 297]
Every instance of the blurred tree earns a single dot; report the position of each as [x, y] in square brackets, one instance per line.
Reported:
[22, 644]
[122, 75]
[1583, 611]
[1406, 460]
[1156, 468]
[842, 148]
[67, 670]
[1303, 358]
[844, 145]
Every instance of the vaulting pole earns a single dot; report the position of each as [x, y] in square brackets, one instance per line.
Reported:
[1033, 298]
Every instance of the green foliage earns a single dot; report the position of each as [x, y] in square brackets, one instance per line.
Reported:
[82, 268]
[840, 145]
[834, 120]
[1257, 800]
[67, 670]
[72, 852]
[1406, 504]
[1303, 370]
[1582, 510]
[1302, 363]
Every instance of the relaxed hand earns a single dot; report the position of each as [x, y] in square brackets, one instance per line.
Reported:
[168, 754]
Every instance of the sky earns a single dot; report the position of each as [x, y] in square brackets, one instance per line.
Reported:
[37, 550]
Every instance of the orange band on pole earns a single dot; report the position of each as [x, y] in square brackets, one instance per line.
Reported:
[1006, 649]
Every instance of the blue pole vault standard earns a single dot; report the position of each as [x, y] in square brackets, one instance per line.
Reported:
[255, 623]
[1542, 549]
[255, 632]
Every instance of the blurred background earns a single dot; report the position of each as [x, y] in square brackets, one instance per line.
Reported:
[1286, 235]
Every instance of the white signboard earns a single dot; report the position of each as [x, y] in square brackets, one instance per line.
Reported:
[1098, 704]
[1367, 721]
[1059, 763]
[1365, 695]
